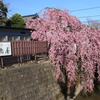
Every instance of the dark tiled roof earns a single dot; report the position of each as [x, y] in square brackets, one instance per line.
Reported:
[33, 16]
[16, 28]
[28, 15]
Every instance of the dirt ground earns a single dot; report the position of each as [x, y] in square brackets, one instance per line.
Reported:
[93, 96]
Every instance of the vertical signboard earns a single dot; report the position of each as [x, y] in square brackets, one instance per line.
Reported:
[5, 48]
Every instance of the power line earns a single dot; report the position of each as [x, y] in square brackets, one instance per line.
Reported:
[89, 16]
[86, 9]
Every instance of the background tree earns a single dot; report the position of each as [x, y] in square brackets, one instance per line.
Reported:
[16, 21]
[93, 23]
[8, 22]
[3, 12]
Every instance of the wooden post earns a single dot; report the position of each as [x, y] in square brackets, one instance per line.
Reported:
[35, 59]
[2, 66]
[20, 59]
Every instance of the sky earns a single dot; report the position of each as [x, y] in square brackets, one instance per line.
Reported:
[29, 7]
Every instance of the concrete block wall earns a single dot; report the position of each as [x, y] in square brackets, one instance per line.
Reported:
[30, 82]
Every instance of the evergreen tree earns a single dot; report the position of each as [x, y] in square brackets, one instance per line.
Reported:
[3, 12]
[15, 21]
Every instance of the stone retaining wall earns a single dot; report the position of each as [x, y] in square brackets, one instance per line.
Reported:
[30, 82]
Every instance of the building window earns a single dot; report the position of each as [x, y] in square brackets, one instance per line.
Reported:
[10, 38]
[27, 38]
[2, 38]
[16, 38]
[22, 38]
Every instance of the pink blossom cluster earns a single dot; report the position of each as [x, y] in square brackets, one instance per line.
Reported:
[72, 45]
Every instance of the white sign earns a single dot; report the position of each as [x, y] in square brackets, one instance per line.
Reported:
[5, 48]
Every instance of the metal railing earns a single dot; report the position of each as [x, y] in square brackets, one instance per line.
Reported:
[21, 48]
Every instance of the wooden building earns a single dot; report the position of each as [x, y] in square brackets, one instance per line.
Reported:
[13, 33]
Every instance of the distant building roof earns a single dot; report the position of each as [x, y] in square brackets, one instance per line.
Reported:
[27, 17]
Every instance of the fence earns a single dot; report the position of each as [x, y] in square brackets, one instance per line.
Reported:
[21, 48]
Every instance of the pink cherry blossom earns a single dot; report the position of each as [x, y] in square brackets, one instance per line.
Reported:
[72, 45]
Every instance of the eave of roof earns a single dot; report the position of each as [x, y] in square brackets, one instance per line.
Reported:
[28, 15]
[16, 28]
